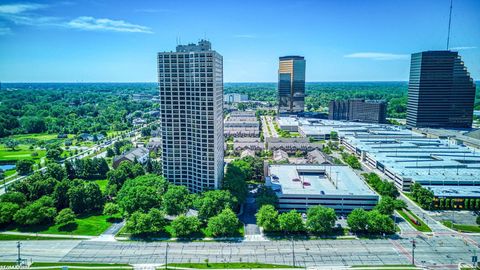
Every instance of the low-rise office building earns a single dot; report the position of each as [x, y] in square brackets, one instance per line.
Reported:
[358, 110]
[302, 186]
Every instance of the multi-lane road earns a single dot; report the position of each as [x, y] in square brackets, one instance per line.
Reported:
[439, 252]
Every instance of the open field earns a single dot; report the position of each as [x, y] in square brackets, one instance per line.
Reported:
[91, 225]
[22, 151]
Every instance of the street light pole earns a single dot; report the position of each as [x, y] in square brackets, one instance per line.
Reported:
[293, 251]
[19, 260]
[166, 256]
[413, 251]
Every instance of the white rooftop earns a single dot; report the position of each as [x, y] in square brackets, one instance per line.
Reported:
[316, 180]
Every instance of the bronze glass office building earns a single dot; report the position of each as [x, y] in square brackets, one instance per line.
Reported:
[291, 85]
[441, 93]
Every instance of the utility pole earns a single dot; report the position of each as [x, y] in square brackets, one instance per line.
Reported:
[19, 260]
[413, 251]
[166, 256]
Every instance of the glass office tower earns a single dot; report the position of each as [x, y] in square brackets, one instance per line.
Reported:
[441, 93]
[291, 85]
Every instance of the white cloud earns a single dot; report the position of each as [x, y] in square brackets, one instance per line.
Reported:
[244, 36]
[94, 24]
[5, 31]
[19, 8]
[463, 48]
[377, 56]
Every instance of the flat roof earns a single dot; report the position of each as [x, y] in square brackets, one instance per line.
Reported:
[455, 191]
[321, 180]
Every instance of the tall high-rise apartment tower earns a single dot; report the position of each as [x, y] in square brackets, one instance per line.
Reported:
[291, 85]
[191, 113]
[441, 93]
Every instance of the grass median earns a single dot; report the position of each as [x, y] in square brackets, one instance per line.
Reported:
[422, 227]
[461, 227]
[235, 265]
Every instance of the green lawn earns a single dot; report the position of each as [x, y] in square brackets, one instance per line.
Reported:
[92, 225]
[36, 136]
[461, 227]
[387, 266]
[9, 172]
[422, 227]
[12, 237]
[235, 265]
[113, 265]
[102, 184]
[22, 151]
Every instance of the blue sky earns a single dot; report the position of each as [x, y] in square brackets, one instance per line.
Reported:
[117, 41]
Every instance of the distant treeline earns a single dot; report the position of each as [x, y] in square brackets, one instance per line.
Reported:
[319, 94]
[70, 107]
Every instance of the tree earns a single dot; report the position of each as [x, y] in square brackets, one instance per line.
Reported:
[7, 211]
[423, 196]
[56, 171]
[175, 200]
[267, 218]
[111, 209]
[265, 196]
[65, 217]
[11, 143]
[357, 220]
[40, 211]
[211, 203]
[145, 223]
[333, 135]
[235, 179]
[378, 223]
[184, 226]
[85, 197]
[320, 219]
[224, 224]
[110, 152]
[13, 197]
[70, 169]
[24, 167]
[291, 221]
[142, 193]
[386, 206]
[42, 186]
[54, 153]
[60, 194]
[399, 204]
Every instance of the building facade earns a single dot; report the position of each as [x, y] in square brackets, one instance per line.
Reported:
[191, 114]
[358, 110]
[234, 98]
[441, 93]
[291, 85]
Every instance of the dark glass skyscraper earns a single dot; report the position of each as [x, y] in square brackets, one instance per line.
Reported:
[441, 93]
[291, 85]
